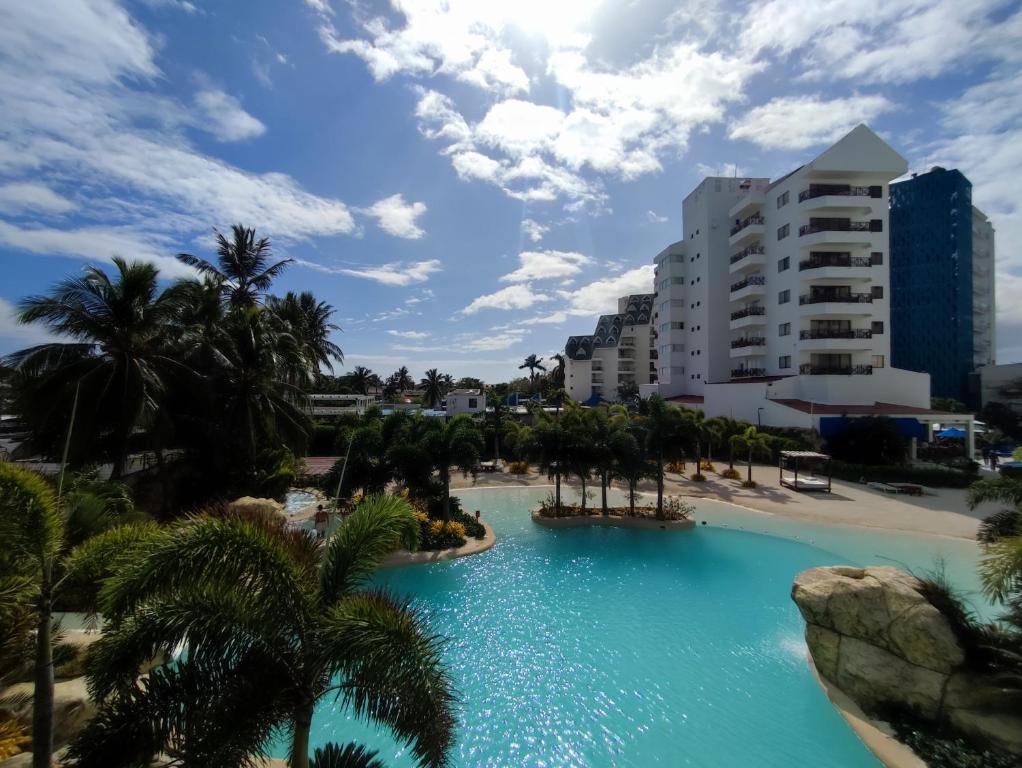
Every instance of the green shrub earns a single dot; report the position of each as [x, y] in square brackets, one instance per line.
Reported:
[936, 478]
[938, 746]
[868, 439]
[518, 468]
[472, 527]
[1012, 473]
[731, 474]
[749, 484]
[697, 477]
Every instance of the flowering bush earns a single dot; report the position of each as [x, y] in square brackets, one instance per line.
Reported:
[707, 466]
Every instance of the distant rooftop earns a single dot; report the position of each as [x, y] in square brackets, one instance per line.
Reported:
[638, 311]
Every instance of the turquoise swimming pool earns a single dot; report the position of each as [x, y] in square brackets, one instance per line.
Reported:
[612, 647]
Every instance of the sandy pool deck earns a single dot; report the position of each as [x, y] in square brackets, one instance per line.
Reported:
[940, 512]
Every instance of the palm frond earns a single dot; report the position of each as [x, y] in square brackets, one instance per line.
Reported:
[351, 755]
[391, 671]
[378, 526]
[1000, 569]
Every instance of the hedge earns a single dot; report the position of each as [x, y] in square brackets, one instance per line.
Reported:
[936, 478]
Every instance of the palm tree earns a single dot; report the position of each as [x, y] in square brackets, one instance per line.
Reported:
[273, 623]
[664, 427]
[120, 359]
[599, 431]
[433, 388]
[697, 428]
[34, 529]
[360, 379]
[534, 364]
[455, 442]
[497, 419]
[308, 321]
[243, 270]
[753, 442]
[630, 462]
[557, 374]
[402, 379]
[546, 443]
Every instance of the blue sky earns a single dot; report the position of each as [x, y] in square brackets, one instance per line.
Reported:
[471, 182]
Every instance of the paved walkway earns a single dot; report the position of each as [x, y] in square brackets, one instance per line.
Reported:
[941, 511]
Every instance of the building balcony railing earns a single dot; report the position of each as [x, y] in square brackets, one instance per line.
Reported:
[835, 370]
[841, 190]
[747, 222]
[751, 250]
[754, 341]
[745, 373]
[836, 298]
[818, 261]
[840, 225]
[654, 355]
[748, 312]
[752, 280]
[854, 333]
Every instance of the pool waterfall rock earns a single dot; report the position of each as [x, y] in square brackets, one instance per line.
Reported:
[874, 635]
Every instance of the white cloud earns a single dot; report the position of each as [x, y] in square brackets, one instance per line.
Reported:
[600, 297]
[32, 196]
[395, 274]
[14, 335]
[542, 265]
[95, 244]
[414, 335]
[513, 297]
[534, 230]
[798, 122]
[398, 217]
[492, 343]
[655, 218]
[222, 115]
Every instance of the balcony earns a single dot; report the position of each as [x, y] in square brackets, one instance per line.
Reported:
[835, 370]
[747, 317]
[751, 341]
[747, 258]
[836, 340]
[825, 196]
[747, 228]
[824, 260]
[835, 297]
[835, 302]
[747, 373]
[753, 285]
[823, 231]
[753, 199]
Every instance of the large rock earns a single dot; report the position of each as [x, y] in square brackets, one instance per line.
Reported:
[72, 707]
[256, 505]
[873, 634]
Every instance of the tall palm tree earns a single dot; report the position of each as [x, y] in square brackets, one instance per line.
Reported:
[665, 429]
[273, 623]
[244, 268]
[119, 357]
[599, 431]
[546, 443]
[534, 364]
[433, 388]
[630, 463]
[557, 374]
[402, 379]
[360, 379]
[453, 442]
[308, 321]
[753, 442]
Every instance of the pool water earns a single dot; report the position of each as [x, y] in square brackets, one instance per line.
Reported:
[614, 647]
[296, 501]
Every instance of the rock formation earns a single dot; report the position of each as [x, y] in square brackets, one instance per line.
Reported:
[873, 634]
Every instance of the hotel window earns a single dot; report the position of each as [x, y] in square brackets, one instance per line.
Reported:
[784, 329]
[878, 327]
[878, 361]
[782, 200]
[784, 361]
[782, 232]
[784, 296]
[876, 258]
[877, 291]
[783, 264]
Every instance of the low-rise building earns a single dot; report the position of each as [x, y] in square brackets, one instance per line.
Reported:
[621, 352]
[470, 401]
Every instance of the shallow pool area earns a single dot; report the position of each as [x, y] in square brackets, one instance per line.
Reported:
[296, 501]
[619, 647]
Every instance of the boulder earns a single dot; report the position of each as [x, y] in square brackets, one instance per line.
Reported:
[873, 634]
[256, 505]
[72, 707]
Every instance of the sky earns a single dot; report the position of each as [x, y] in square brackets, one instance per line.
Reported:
[468, 182]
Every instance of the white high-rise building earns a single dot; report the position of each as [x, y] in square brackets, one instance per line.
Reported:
[620, 351]
[774, 306]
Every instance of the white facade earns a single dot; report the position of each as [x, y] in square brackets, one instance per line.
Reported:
[338, 405]
[984, 309]
[469, 401]
[621, 350]
[785, 283]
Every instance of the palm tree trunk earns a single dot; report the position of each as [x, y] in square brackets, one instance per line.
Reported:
[583, 479]
[42, 707]
[557, 491]
[300, 739]
[660, 486]
[699, 458]
[750, 466]
[445, 476]
[631, 497]
[730, 456]
[603, 490]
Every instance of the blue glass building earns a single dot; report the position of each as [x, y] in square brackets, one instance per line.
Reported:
[932, 280]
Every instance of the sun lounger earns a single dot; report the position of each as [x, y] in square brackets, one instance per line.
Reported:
[910, 488]
[883, 487]
[805, 483]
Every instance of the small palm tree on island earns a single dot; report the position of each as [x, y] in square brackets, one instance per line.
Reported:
[273, 623]
[665, 431]
[534, 364]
